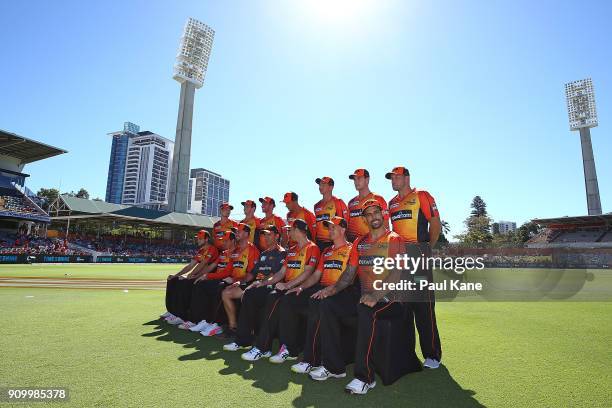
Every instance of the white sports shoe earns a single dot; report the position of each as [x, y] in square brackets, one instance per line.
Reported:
[359, 387]
[321, 374]
[301, 368]
[232, 347]
[186, 325]
[175, 321]
[165, 314]
[431, 363]
[212, 330]
[254, 354]
[169, 317]
[200, 326]
[282, 356]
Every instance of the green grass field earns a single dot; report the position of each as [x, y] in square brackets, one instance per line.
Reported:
[109, 349]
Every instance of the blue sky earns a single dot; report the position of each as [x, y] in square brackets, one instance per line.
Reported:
[468, 95]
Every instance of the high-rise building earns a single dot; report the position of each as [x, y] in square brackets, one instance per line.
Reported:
[506, 226]
[207, 190]
[189, 71]
[116, 165]
[139, 168]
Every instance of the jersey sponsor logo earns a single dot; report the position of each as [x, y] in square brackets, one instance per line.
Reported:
[394, 205]
[221, 265]
[323, 217]
[294, 264]
[238, 264]
[292, 254]
[401, 215]
[355, 213]
[332, 264]
[368, 260]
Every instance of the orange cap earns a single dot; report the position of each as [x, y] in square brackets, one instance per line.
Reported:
[250, 203]
[226, 205]
[370, 203]
[202, 234]
[325, 180]
[359, 173]
[241, 227]
[227, 235]
[290, 196]
[402, 171]
[336, 221]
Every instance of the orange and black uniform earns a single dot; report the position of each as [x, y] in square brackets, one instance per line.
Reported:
[410, 218]
[333, 310]
[179, 289]
[298, 259]
[266, 222]
[220, 228]
[253, 223]
[325, 211]
[243, 261]
[357, 225]
[410, 215]
[295, 309]
[307, 216]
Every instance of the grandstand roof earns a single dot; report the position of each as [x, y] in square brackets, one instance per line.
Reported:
[68, 207]
[580, 221]
[24, 149]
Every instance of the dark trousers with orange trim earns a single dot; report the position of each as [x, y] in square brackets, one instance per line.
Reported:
[294, 312]
[366, 332]
[334, 312]
[171, 285]
[206, 301]
[425, 321]
[253, 303]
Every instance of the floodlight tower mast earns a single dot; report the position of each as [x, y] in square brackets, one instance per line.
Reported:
[582, 117]
[189, 71]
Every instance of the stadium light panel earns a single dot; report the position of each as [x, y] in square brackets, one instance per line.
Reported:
[581, 104]
[194, 52]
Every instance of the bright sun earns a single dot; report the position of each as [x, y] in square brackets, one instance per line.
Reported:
[339, 9]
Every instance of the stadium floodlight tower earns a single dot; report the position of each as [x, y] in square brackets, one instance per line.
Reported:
[582, 117]
[189, 70]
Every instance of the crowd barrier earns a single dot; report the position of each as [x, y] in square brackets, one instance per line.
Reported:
[24, 259]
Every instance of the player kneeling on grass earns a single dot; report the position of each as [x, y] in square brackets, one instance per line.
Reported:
[178, 284]
[269, 269]
[380, 242]
[243, 260]
[298, 303]
[207, 286]
[302, 258]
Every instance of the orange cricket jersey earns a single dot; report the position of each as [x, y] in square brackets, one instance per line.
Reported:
[299, 258]
[272, 220]
[307, 216]
[224, 266]
[324, 212]
[244, 261]
[207, 253]
[364, 252]
[333, 262]
[254, 224]
[410, 216]
[219, 229]
[357, 225]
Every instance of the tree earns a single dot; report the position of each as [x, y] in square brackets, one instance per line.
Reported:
[479, 207]
[527, 231]
[442, 240]
[82, 194]
[495, 228]
[47, 195]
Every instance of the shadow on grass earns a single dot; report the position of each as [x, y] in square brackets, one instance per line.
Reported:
[429, 388]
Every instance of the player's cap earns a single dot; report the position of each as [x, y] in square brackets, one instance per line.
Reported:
[226, 205]
[203, 234]
[402, 171]
[270, 229]
[227, 235]
[371, 203]
[241, 227]
[299, 224]
[359, 173]
[267, 200]
[325, 180]
[250, 203]
[336, 221]
[290, 196]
